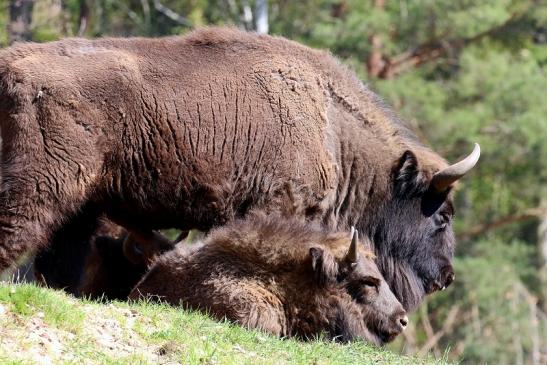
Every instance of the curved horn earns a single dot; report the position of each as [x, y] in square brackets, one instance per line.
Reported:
[352, 252]
[444, 178]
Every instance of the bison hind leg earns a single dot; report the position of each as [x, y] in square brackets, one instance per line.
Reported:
[250, 304]
[264, 317]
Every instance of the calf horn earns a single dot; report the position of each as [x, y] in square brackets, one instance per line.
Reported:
[351, 257]
[446, 177]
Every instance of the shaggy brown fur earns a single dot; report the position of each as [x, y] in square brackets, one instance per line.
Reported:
[193, 131]
[282, 277]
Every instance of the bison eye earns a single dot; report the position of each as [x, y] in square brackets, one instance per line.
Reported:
[365, 289]
[446, 217]
[371, 282]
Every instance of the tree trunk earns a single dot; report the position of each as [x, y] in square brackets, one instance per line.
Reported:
[247, 16]
[542, 246]
[66, 27]
[20, 17]
[261, 16]
[375, 60]
[83, 17]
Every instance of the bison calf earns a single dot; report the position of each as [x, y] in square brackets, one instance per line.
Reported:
[282, 277]
[62, 265]
[115, 264]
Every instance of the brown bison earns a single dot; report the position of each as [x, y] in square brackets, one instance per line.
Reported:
[88, 258]
[283, 277]
[194, 131]
[107, 272]
[61, 265]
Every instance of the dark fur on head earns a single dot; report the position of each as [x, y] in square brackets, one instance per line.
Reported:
[108, 274]
[61, 265]
[115, 264]
[281, 276]
[413, 234]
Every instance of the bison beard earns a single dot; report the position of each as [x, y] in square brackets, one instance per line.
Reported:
[191, 132]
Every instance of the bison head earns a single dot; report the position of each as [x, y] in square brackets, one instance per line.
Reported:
[364, 306]
[413, 234]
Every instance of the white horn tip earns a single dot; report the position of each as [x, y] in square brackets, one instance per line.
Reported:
[476, 153]
[477, 148]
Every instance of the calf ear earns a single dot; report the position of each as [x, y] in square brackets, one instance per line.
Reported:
[133, 251]
[324, 266]
[407, 177]
[103, 245]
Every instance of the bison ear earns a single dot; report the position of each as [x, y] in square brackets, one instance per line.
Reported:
[132, 250]
[408, 179]
[324, 266]
[102, 245]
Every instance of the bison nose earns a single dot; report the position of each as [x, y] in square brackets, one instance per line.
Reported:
[448, 278]
[400, 321]
[403, 321]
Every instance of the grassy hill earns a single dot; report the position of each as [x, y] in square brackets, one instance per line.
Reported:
[42, 326]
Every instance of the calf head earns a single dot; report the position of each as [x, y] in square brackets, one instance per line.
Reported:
[114, 265]
[142, 247]
[107, 273]
[366, 308]
[413, 234]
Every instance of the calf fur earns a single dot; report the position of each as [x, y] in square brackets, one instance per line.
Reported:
[280, 276]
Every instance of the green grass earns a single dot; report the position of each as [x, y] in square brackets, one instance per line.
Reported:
[58, 309]
[120, 333]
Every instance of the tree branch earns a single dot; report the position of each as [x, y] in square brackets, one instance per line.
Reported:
[532, 213]
[434, 49]
[447, 326]
[171, 14]
[375, 61]
[428, 328]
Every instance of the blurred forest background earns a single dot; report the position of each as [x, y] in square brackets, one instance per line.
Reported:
[458, 71]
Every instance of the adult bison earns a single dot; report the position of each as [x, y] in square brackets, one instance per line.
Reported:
[281, 276]
[193, 131]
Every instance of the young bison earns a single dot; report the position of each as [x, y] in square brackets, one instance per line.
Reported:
[62, 265]
[114, 264]
[282, 277]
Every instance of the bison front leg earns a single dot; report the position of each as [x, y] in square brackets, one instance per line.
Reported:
[28, 219]
[42, 188]
[21, 228]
